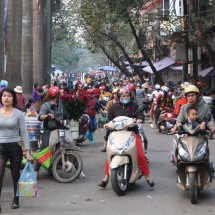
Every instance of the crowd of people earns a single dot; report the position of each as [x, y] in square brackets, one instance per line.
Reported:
[112, 95]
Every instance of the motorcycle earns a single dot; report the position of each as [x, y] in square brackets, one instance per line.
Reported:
[166, 121]
[66, 164]
[194, 169]
[122, 155]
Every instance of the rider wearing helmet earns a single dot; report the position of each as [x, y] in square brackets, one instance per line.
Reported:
[125, 107]
[163, 101]
[194, 99]
[154, 95]
[181, 101]
[53, 114]
[108, 106]
[104, 95]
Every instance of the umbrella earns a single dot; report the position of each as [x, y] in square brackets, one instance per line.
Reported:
[107, 68]
[209, 72]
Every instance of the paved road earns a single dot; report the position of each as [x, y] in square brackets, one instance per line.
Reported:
[84, 197]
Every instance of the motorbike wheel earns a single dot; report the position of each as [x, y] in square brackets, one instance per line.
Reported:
[74, 166]
[193, 188]
[119, 184]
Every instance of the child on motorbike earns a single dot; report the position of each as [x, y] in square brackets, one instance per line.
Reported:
[192, 119]
[124, 107]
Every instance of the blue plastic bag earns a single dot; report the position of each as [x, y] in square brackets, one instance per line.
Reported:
[27, 184]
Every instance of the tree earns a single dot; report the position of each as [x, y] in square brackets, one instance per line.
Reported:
[38, 14]
[27, 46]
[108, 24]
[47, 31]
[2, 40]
[13, 70]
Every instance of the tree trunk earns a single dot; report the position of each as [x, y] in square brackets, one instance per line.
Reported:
[27, 46]
[47, 41]
[38, 42]
[13, 71]
[2, 39]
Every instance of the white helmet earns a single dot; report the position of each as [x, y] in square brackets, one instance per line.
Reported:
[157, 87]
[165, 89]
[184, 84]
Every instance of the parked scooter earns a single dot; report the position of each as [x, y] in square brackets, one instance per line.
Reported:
[194, 169]
[166, 121]
[122, 154]
[66, 163]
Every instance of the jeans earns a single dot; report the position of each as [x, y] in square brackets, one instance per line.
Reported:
[92, 124]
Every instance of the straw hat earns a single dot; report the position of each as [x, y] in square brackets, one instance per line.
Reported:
[18, 89]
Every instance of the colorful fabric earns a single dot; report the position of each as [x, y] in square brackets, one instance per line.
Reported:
[44, 157]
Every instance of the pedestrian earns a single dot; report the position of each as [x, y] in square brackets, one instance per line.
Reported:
[91, 111]
[12, 125]
[21, 100]
[37, 96]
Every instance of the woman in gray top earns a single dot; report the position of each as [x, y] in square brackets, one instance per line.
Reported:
[12, 124]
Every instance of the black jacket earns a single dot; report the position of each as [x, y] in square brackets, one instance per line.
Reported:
[129, 110]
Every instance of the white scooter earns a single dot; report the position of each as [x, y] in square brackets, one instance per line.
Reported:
[122, 154]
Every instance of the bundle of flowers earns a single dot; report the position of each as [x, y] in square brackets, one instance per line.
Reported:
[75, 105]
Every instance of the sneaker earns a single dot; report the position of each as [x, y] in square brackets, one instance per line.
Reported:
[152, 125]
[93, 141]
[82, 175]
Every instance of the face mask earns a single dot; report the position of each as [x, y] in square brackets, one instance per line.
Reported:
[125, 101]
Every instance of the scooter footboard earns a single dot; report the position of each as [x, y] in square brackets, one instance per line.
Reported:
[118, 161]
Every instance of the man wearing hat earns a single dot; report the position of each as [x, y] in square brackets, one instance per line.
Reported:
[21, 100]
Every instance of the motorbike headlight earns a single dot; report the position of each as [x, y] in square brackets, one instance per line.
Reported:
[183, 153]
[200, 152]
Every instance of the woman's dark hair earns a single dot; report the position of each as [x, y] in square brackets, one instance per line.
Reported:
[12, 92]
[35, 85]
[191, 108]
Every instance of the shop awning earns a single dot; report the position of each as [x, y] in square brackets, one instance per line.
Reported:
[107, 68]
[159, 65]
[209, 72]
[140, 65]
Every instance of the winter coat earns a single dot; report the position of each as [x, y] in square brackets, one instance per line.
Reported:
[91, 105]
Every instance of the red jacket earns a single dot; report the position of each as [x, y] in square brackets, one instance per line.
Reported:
[91, 105]
[179, 103]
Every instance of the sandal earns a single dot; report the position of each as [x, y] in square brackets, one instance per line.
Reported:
[103, 149]
[150, 182]
[102, 184]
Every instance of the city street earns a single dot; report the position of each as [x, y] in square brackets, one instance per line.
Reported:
[83, 196]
